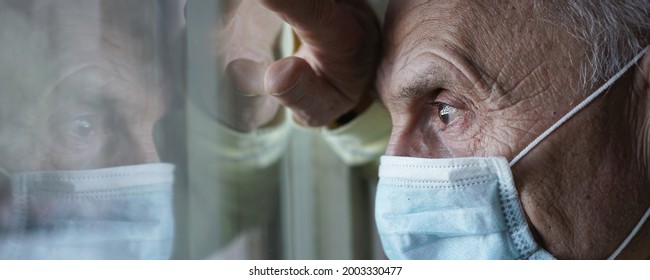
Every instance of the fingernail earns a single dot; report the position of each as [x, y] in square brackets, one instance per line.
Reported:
[282, 77]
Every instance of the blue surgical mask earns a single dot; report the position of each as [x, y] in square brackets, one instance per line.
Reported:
[462, 208]
[113, 213]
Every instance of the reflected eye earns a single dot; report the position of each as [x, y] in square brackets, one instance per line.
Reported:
[82, 127]
[78, 133]
[446, 112]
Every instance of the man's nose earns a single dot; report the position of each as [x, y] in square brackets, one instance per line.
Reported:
[393, 148]
[400, 144]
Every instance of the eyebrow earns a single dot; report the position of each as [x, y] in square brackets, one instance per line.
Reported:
[416, 87]
[464, 73]
[410, 90]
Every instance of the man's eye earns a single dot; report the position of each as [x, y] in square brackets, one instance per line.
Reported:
[447, 113]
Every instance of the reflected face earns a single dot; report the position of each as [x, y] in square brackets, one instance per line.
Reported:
[484, 78]
[98, 100]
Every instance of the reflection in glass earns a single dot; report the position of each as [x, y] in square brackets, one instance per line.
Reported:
[82, 86]
[141, 130]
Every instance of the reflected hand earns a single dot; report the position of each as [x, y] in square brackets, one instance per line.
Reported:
[334, 69]
[245, 47]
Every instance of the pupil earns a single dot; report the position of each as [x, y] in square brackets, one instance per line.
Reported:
[444, 118]
[443, 112]
[83, 128]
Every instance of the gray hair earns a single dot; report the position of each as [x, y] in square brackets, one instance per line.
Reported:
[612, 31]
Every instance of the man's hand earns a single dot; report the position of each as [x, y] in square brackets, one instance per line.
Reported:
[335, 67]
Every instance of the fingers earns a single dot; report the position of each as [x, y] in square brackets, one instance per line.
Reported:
[336, 63]
[313, 99]
[303, 14]
[317, 22]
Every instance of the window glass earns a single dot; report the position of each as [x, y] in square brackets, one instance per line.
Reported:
[128, 131]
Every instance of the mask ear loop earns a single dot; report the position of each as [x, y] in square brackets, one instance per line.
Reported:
[640, 223]
[580, 106]
[632, 234]
[570, 114]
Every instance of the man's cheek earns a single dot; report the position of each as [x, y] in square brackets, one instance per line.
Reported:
[484, 139]
[470, 141]
[504, 132]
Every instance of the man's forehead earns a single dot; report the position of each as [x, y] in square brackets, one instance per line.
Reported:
[503, 42]
[93, 84]
[423, 35]
[470, 24]
[74, 20]
[90, 34]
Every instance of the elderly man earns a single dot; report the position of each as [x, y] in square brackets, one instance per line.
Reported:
[83, 84]
[469, 85]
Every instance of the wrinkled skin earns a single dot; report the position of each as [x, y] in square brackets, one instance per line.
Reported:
[508, 77]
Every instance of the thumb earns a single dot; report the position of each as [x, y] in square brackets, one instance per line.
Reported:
[313, 100]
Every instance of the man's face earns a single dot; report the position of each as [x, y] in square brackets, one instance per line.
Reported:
[99, 98]
[484, 78]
